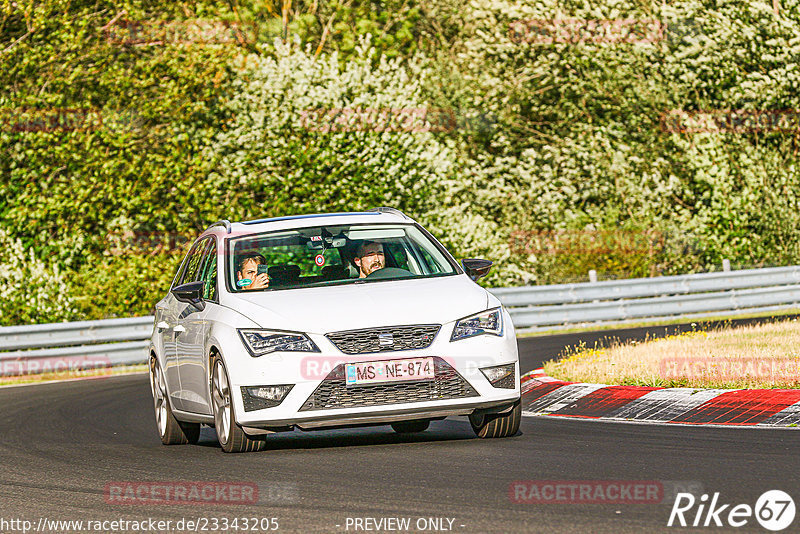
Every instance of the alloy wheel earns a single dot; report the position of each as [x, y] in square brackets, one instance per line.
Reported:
[158, 388]
[221, 397]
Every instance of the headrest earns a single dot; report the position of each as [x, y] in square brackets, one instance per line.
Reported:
[287, 270]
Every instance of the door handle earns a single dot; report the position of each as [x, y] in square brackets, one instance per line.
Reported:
[179, 328]
[162, 325]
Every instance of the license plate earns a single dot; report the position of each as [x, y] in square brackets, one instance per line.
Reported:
[357, 374]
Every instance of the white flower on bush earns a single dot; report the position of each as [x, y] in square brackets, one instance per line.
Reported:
[31, 290]
[286, 137]
[313, 133]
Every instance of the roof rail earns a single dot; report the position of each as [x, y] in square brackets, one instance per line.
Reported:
[224, 222]
[393, 211]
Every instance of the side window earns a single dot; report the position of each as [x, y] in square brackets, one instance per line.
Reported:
[181, 267]
[430, 263]
[398, 254]
[208, 273]
[193, 263]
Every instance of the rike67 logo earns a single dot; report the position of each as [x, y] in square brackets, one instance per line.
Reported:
[774, 510]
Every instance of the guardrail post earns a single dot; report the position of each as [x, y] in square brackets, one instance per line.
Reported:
[726, 265]
[593, 276]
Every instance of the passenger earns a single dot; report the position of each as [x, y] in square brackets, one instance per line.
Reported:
[248, 271]
[369, 258]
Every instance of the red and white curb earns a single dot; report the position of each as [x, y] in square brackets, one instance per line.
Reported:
[545, 396]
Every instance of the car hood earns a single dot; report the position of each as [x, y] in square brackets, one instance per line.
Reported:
[346, 307]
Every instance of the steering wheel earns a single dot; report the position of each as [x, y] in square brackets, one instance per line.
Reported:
[389, 272]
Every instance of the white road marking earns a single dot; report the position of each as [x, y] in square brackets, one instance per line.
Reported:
[562, 397]
[788, 416]
[665, 404]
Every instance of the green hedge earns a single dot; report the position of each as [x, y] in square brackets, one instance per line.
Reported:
[186, 114]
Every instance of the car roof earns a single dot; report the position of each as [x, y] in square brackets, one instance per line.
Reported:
[377, 215]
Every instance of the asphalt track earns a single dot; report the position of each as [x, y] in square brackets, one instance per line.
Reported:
[63, 443]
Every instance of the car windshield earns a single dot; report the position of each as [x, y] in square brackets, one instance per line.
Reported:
[333, 255]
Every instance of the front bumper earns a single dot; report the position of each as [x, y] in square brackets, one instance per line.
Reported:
[384, 417]
[309, 371]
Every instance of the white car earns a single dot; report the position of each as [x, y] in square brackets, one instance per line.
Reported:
[322, 321]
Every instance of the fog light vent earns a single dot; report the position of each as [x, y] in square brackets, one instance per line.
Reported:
[501, 376]
[260, 397]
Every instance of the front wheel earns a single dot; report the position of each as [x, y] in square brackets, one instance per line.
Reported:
[170, 430]
[497, 425]
[231, 437]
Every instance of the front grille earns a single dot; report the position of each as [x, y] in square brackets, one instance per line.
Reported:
[334, 393]
[383, 339]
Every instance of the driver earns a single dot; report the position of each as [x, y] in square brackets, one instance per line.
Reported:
[248, 272]
[369, 258]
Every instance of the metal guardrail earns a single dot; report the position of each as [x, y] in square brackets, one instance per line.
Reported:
[749, 290]
[64, 347]
[76, 333]
[647, 287]
[37, 348]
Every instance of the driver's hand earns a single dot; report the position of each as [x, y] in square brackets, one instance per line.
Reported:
[261, 281]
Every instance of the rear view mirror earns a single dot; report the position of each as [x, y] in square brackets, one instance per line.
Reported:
[316, 243]
[336, 242]
[191, 293]
[476, 268]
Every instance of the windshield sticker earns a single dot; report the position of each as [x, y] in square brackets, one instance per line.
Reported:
[319, 260]
[244, 282]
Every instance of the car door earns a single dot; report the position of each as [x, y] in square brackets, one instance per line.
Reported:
[166, 318]
[171, 328]
[192, 340]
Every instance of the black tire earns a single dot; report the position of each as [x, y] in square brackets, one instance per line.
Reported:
[230, 435]
[410, 427]
[170, 430]
[497, 425]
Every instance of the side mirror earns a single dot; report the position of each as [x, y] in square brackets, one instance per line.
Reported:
[191, 293]
[476, 268]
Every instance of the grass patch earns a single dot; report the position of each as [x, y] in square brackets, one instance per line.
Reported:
[68, 375]
[745, 357]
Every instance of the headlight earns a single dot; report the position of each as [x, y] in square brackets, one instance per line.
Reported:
[261, 342]
[488, 322]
